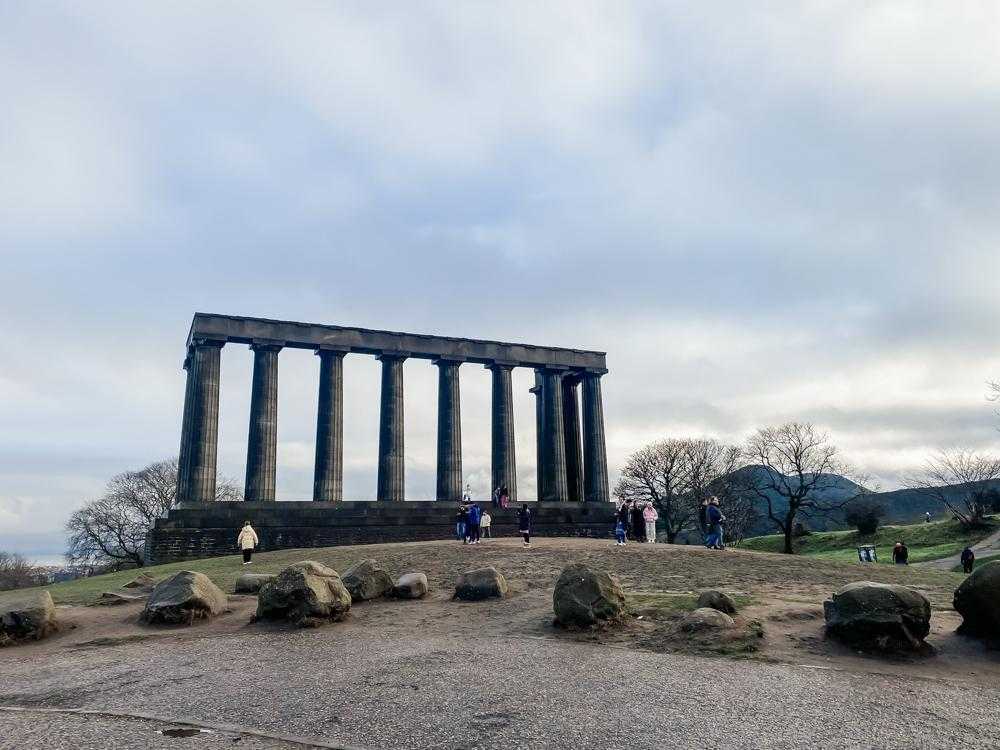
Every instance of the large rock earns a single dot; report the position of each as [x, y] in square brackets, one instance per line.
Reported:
[882, 616]
[410, 586]
[978, 601]
[183, 598]
[705, 618]
[717, 600]
[26, 615]
[305, 594]
[366, 580]
[483, 583]
[141, 581]
[250, 583]
[585, 597]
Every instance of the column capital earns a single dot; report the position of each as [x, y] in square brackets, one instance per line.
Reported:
[217, 343]
[598, 371]
[267, 345]
[390, 354]
[331, 349]
[448, 361]
[501, 365]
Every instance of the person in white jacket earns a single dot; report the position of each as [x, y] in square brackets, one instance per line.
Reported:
[246, 541]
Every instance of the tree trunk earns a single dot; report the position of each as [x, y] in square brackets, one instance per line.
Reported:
[789, 526]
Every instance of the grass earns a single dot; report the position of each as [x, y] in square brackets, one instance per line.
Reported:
[926, 541]
[979, 562]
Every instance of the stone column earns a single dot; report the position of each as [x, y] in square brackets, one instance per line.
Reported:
[262, 443]
[328, 480]
[539, 431]
[449, 431]
[203, 433]
[504, 464]
[571, 428]
[595, 454]
[554, 443]
[184, 455]
[390, 433]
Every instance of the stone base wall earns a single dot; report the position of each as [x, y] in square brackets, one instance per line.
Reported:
[210, 529]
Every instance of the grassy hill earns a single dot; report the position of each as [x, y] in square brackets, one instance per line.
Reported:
[926, 541]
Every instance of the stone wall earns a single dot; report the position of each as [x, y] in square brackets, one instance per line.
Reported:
[210, 529]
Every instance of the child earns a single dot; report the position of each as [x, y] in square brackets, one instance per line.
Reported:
[484, 524]
[620, 533]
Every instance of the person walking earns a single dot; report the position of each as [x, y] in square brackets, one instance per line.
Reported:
[504, 496]
[485, 521]
[968, 559]
[524, 524]
[246, 542]
[650, 516]
[460, 523]
[927, 517]
[714, 518]
[900, 554]
[472, 524]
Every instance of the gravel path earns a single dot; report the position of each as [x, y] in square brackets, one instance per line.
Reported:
[988, 546]
[361, 687]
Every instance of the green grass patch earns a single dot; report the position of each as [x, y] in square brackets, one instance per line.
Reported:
[926, 541]
[979, 561]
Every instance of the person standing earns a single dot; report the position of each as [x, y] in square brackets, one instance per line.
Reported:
[623, 514]
[620, 532]
[485, 521]
[467, 497]
[460, 523]
[246, 542]
[472, 524]
[650, 516]
[524, 524]
[703, 520]
[496, 497]
[900, 554]
[638, 523]
[714, 517]
[927, 517]
[504, 496]
[968, 559]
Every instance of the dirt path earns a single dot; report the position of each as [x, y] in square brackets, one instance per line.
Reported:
[988, 546]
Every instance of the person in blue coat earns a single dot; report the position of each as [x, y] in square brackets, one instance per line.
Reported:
[715, 518]
[472, 524]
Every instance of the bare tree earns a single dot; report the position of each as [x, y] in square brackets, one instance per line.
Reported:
[111, 530]
[798, 466]
[18, 573]
[961, 480]
[675, 476]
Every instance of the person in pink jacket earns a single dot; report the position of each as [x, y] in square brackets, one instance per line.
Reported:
[649, 515]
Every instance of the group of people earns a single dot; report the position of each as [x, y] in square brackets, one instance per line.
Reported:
[636, 520]
[473, 524]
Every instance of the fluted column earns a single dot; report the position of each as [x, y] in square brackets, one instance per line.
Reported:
[262, 442]
[504, 464]
[184, 455]
[328, 480]
[536, 391]
[554, 443]
[203, 435]
[595, 456]
[390, 434]
[571, 429]
[449, 431]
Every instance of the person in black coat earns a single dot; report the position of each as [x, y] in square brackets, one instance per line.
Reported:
[524, 524]
[638, 524]
[968, 559]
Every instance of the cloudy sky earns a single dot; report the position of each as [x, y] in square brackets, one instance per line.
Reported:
[761, 211]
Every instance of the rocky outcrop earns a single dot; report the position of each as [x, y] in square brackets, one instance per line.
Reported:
[584, 597]
[717, 600]
[26, 615]
[250, 583]
[183, 598]
[366, 580]
[141, 581]
[705, 618]
[410, 586]
[305, 594]
[879, 616]
[479, 584]
[978, 601]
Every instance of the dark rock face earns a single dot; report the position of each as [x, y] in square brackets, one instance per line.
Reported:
[410, 586]
[250, 583]
[183, 598]
[717, 600]
[305, 594]
[705, 618]
[367, 580]
[26, 615]
[585, 597]
[978, 601]
[880, 616]
[483, 583]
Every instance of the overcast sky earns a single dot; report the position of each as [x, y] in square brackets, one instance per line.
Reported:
[760, 213]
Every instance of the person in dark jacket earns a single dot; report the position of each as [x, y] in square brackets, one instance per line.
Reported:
[714, 518]
[968, 559]
[900, 554]
[524, 524]
[460, 519]
[624, 515]
[703, 520]
[638, 523]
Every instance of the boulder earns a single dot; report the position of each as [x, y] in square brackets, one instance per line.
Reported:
[250, 583]
[410, 586]
[366, 580]
[585, 597]
[183, 598]
[705, 618]
[141, 581]
[483, 583]
[114, 598]
[717, 600]
[883, 616]
[26, 615]
[305, 594]
[978, 601]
